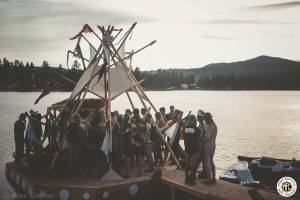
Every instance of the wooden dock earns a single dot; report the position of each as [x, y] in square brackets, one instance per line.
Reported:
[221, 190]
[145, 187]
[69, 188]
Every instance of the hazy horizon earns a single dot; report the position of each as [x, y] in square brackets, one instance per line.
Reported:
[190, 34]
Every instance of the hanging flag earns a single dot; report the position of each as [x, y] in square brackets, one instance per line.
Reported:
[77, 50]
[172, 132]
[46, 90]
[31, 134]
[86, 29]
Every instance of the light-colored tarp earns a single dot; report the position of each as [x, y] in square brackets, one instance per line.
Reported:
[120, 81]
[93, 52]
[85, 77]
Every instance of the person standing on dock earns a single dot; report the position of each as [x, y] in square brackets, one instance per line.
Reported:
[143, 113]
[157, 143]
[191, 134]
[148, 142]
[126, 144]
[171, 115]
[76, 136]
[162, 111]
[209, 147]
[201, 126]
[19, 129]
[138, 127]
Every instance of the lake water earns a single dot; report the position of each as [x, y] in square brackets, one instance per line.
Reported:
[252, 123]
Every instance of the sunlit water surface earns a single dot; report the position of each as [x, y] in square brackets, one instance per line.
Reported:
[252, 123]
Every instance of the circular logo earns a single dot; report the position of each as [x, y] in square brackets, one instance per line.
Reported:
[286, 186]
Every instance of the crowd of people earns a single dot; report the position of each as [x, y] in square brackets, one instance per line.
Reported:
[81, 139]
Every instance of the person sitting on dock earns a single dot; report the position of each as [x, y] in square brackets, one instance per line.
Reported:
[191, 134]
[19, 129]
[209, 147]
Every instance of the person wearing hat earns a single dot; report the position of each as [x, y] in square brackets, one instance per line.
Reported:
[19, 129]
[191, 134]
[209, 146]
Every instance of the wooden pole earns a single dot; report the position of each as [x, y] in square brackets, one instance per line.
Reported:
[129, 98]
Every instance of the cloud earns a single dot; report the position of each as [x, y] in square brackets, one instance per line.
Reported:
[213, 37]
[242, 21]
[38, 25]
[276, 6]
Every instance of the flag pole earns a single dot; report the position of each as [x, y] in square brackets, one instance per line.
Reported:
[110, 174]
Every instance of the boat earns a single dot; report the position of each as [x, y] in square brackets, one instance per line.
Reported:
[265, 171]
[269, 171]
[249, 159]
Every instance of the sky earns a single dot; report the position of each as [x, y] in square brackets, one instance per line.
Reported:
[189, 33]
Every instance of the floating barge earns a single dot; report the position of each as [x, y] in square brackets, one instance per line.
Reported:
[77, 187]
[170, 185]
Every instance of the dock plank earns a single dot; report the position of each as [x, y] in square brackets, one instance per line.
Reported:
[222, 189]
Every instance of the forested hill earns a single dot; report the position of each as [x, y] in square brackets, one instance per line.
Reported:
[257, 66]
[261, 73]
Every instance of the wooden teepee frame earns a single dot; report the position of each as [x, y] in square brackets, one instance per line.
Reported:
[108, 53]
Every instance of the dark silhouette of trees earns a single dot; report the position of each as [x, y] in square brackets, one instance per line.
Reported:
[15, 75]
[19, 77]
